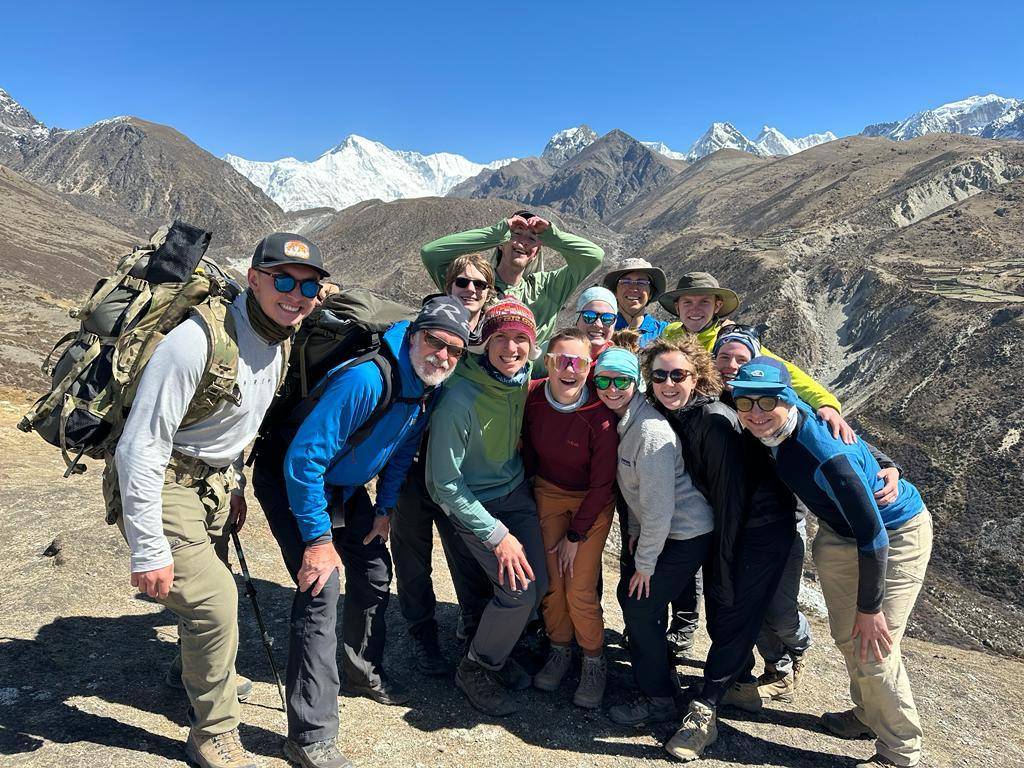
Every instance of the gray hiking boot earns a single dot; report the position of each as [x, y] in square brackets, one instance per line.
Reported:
[319, 754]
[743, 696]
[846, 725]
[698, 731]
[173, 680]
[643, 710]
[680, 644]
[554, 669]
[224, 750]
[484, 689]
[593, 676]
[513, 676]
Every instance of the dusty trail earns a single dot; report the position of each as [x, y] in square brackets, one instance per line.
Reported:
[82, 662]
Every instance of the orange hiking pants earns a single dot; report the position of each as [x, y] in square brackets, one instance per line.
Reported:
[571, 607]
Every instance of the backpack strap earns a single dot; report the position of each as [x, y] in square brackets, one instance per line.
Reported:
[219, 381]
[120, 277]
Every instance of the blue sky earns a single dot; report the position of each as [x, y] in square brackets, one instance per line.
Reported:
[487, 80]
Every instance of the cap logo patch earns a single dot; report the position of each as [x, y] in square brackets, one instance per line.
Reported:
[759, 374]
[296, 249]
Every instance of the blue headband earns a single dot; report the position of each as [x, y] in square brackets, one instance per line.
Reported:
[619, 360]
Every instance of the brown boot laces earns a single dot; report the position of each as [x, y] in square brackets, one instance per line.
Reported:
[229, 746]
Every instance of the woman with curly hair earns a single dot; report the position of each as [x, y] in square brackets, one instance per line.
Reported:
[754, 526]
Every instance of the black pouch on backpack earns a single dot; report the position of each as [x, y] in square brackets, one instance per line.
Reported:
[179, 255]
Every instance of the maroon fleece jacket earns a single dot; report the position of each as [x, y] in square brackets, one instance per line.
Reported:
[576, 451]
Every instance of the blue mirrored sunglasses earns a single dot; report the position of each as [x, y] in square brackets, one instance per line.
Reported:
[285, 283]
[590, 317]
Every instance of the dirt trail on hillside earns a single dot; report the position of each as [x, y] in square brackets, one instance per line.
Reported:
[82, 661]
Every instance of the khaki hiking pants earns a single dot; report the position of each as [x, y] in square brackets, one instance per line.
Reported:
[880, 689]
[571, 607]
[196, 504]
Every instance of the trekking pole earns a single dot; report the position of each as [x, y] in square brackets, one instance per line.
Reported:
[268, 641]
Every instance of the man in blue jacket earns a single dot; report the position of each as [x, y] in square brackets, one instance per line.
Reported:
[323, 519]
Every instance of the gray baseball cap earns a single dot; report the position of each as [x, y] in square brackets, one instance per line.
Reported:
[288, 248]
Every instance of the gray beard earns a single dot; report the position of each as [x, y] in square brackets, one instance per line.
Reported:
[419, 366]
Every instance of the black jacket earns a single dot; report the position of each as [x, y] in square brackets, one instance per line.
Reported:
[734, 472]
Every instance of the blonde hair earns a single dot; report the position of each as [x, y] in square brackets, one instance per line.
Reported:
[458, 266]
[627, 338]
[709, 381]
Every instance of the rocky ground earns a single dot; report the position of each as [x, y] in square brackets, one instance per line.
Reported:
[82, 660]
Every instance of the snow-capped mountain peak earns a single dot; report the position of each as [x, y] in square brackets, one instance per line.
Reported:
[358, 169]
[565, 145]
[1009, 126]
[772, 141]
[15, 120]
[662, 149]
[721, 136]
[970, 116]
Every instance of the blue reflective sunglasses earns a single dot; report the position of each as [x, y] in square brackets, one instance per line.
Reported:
[285, 283]
[590, 317]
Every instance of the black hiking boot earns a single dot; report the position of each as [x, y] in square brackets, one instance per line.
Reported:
[513, 676]
[484, 689]
[644, 710]
[426, 654]
[388, 692]
[319, 754]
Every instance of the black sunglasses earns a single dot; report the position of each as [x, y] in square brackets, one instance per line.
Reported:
[620, 382]
[437, 344]
[285, 283]
[465, 282]
[660, 376]
[590, 317]
[764, 402]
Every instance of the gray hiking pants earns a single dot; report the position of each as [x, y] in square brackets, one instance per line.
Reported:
[509, 610]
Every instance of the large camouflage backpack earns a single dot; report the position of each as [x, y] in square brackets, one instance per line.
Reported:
[152, 290]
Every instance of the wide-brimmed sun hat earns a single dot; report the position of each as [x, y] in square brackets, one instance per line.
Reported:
[658, 279]
[700, 284]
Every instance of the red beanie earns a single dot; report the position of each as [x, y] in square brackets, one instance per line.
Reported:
[508, 315]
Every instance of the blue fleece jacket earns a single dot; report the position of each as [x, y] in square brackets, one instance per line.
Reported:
[319, 463]
[837, 482]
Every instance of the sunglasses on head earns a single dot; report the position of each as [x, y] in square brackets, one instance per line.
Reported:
[764, 402]
[437, 344]
[590, 317]
[620, 382]
[465, 282]
[660, 375]
[285, 283]
[564, 362]
[629, 282]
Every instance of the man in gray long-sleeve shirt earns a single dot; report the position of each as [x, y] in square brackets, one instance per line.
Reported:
[170, 481]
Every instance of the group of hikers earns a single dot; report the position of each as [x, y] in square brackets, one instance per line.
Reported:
[522, 443]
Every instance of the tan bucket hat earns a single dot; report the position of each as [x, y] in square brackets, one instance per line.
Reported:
[658, 279]
[700, 283]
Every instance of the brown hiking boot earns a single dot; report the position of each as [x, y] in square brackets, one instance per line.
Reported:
[776, 686]
[698, 731]
[743, 696]
[173, 680]
[484, 689]
[224, 750]
[799, 665]
[593, 678]
[846, 725]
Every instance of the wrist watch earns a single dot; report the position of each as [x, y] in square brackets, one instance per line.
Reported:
[574, 537]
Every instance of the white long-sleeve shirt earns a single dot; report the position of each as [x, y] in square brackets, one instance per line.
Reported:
[153, 429]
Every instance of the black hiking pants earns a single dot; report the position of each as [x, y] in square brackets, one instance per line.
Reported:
[761, 556]
[412, 544]
[312, 680]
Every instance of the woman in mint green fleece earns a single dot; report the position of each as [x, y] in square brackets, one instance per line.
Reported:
[475, 474]
[517, 242]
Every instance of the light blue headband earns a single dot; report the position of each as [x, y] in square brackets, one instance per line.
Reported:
[597, 293]
[619, 360]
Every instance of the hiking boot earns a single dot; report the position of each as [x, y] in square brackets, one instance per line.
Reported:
[426, 654]
[513, 676]
[642, 710]
[483, 688]
[680, 644]
[554, 669]
[776, 686]
[743, 696]
[593, 676]
[388, 692]
[874, 761]
[173, 680]
[224, 750]
[319, 754]
[799, 664]
[846, 725]
[698, 731]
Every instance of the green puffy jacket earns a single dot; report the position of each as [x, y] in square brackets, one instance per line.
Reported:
[543, 292]
[473, 448]
[810, 391]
